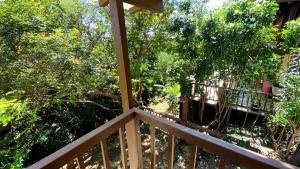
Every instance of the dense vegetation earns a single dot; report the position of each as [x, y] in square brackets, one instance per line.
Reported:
[58, 75]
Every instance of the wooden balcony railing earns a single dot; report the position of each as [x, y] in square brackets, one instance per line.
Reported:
[64, 158]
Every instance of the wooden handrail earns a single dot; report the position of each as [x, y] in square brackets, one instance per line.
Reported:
[220, 147]
[196, 139]
[76, 148]
[184, 123]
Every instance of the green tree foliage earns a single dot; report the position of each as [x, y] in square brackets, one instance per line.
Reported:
[146, 39]
[50, 55]
[58, 72]
[236, 40]
[288, 109]
[17, 118]
[63, 62]
[185, 40]
[291, 35]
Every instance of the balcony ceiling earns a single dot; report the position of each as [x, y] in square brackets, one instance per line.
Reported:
[138, 5]
[282, 1]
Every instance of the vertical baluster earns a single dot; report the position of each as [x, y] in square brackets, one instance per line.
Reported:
[200, 89]
[271, 102]
[242, 104]
[105, 156]
[216, 93]
[208, 92]
[215, 89]
[193, 89]
[193, 157]
[171, 151]
[222, 163]
[80, 162]
[123, 147]
[237, 97]
[266, 100]
[152, 142]
[259, 101]
[245, 119]
[248, 99]
[71, 165]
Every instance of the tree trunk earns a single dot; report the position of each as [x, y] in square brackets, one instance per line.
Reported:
[290, 144]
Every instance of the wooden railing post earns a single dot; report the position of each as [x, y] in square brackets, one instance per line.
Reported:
[171, 143]
[123, 147]
[193, 156]
[80, 162]
[71, 165]
[120, 39]
[222, 163]
[105, 156]
[152, 147]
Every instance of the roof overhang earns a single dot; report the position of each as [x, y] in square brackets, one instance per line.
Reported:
[138, 5]
[289, 1]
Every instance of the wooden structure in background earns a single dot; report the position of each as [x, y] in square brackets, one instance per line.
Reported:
[288, 10]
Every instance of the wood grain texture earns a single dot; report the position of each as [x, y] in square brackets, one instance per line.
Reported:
[152, 147]
[185, 108]
[123, 147]
[81, 145]
[105, 155]
[120, 39]
[222, 163]
[193, 156]
[171, 144]
[214, 145]
[151, 5]
[80, 162]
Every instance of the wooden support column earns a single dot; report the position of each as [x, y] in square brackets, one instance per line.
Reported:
[120, 39]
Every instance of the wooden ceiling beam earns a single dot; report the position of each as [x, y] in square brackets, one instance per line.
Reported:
[151, 5]
[103, 3]
[134, 9]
